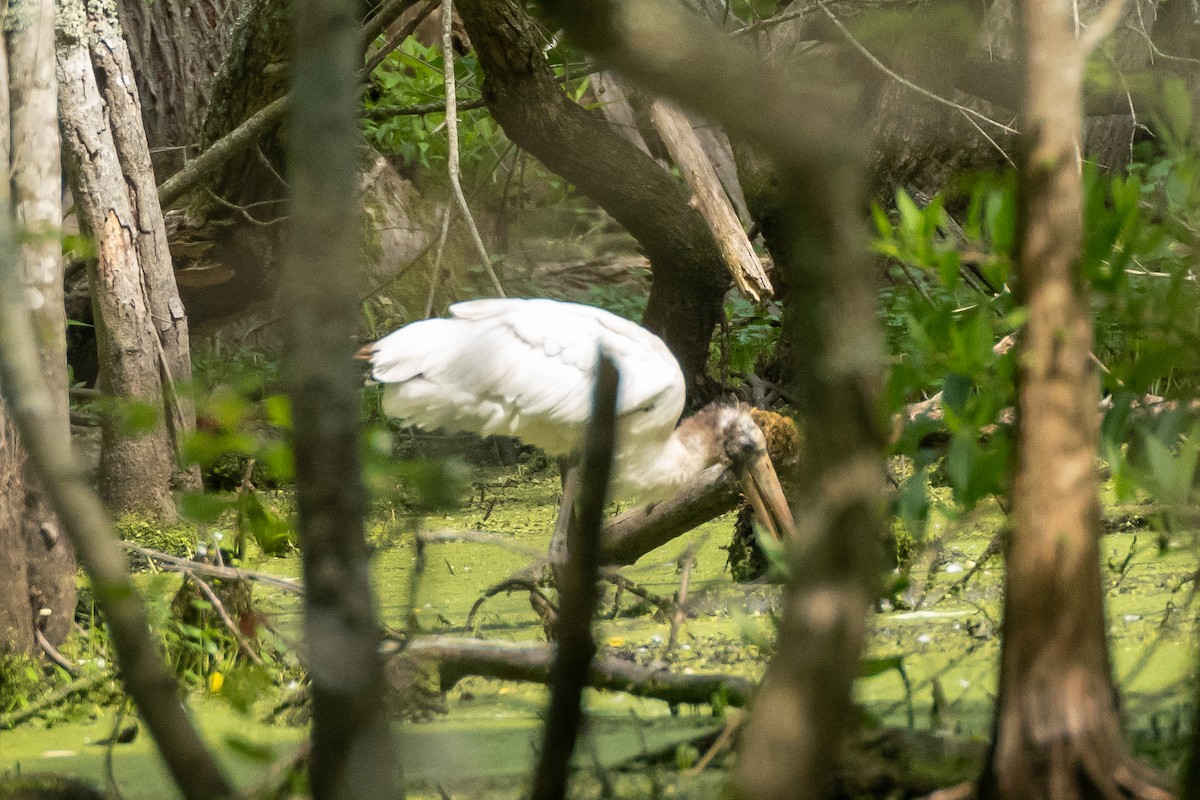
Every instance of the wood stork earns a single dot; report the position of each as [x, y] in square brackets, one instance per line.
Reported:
[526, 368]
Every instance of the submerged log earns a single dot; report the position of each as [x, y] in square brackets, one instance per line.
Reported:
[458, 658]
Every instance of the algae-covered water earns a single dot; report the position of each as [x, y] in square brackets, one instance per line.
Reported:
[931, 660]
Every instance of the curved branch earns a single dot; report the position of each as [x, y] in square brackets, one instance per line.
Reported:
[145, 673]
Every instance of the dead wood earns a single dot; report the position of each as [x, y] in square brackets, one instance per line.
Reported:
[460, 658]
[228, 573]
[709, 198]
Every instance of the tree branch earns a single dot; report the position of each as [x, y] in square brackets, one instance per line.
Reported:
[145, 673]
[458, 658]
[577, 590]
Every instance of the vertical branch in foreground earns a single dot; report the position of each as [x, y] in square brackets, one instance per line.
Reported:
[352, 754]
[1057, 731]
[577, 591]
[791, 744]
[145, 673]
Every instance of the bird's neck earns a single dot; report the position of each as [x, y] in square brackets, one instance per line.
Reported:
[657, 473]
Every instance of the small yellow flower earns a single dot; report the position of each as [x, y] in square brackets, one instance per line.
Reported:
[215, 682]
[615, 641]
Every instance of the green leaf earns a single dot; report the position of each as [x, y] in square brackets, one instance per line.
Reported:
[272, 534]
[202, 507]
[872, 667]
[1177, 108]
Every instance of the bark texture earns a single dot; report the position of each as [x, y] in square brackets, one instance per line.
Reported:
[254, 74]
[16, 623]
[41, 561]
[135, 469]
[352, 754]
[176, 47]
[114, 70]
[524, 96]
[1057, 733]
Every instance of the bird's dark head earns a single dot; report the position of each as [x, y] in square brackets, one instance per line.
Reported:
[740, 436]
[731, 433]
[741, 445]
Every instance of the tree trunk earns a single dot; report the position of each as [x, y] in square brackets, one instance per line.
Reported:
[254, 74]
[39, 560]
[16, 617]
[135, 466]
[143, 668]
[352, 754]
[1057, 732]
[176, 46]
[114, 73]
[690, 279]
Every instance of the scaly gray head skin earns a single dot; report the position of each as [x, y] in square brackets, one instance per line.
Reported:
[732, 436]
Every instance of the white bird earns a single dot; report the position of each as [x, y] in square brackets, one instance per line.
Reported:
[526, 368]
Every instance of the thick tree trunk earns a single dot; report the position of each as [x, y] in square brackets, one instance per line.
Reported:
[352, 754]
[135, 467]
[40, 561]
[254, 74]
[176, 47]
[114, 73]
[1057, 732]
[16, 617]
[690, 279]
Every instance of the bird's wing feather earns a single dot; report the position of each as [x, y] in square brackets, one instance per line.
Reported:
[524, 368]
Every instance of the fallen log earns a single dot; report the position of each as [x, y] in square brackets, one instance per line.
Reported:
[631, 535]
[458, 658]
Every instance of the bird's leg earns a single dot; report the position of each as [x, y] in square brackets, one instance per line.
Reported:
[566, 510]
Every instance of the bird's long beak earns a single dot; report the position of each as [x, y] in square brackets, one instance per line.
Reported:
[761, 486]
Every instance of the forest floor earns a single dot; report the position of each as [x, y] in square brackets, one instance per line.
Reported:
[930, 668]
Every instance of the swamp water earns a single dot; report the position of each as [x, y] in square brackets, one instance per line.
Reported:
[931, 664]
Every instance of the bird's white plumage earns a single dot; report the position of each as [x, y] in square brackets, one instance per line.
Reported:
[526, 368]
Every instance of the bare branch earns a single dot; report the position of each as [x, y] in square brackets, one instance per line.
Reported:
[459, 657]
[452, 136]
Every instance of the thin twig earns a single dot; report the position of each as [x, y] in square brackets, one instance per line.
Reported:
[478, 537]
[452, 135]
[177, 564]
[733, 723]
[52, 653]
[219, 607]
[396, 39]
[421, 109]
[280, 773]
[85, 684]
[245, 210]
[772, 21]
[437, 261]
[990, 140]
[677, 619]
[867, 54]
